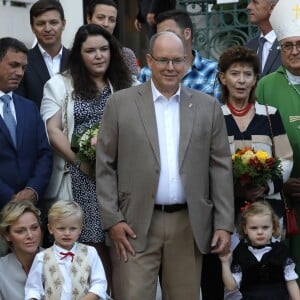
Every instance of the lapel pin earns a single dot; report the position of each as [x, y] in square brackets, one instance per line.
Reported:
[190, 105]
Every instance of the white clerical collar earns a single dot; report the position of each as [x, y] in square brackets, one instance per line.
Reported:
[294, 79]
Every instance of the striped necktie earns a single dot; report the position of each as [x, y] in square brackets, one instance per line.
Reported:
[9, 118]
[261, 43]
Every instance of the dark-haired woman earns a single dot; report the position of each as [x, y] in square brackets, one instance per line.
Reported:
[74, 102]
[248, 122]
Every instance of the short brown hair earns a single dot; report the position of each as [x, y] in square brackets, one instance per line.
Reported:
[42, 6]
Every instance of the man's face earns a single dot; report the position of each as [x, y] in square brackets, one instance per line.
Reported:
[259, 11]
[104, 16]
[12, 68]
[291, 58]
[48, 28]
[171, 25]
[167, 75]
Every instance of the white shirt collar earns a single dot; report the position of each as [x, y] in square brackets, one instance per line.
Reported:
[46, 54]
[157, 94]
[9, 93]
[270, 36]
[58, 249]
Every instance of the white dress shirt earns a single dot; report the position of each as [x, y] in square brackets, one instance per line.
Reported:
[270, 39]
[34, 284]
[53, 64]
[170, 189]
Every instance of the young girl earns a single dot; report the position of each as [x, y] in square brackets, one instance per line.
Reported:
[261, 268]
[68, 270]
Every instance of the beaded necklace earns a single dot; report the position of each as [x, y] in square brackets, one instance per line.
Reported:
[239, 112]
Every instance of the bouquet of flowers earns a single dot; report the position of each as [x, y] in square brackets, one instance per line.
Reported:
[84, 145]
[254, 168]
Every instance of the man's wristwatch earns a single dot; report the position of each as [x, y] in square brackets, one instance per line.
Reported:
[77, 163]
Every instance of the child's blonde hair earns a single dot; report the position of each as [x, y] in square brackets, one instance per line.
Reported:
[258, 208]
[64, 208]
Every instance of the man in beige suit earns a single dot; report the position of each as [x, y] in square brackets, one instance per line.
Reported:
[164, 180]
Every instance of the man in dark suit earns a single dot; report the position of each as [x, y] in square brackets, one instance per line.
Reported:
[164, 180]
[25, 154]
[259, 13]
[48, 56]
[147, 12]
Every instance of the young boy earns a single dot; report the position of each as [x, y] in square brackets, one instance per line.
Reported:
[68, 270]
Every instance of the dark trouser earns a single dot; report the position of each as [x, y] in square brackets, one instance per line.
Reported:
[212, 286]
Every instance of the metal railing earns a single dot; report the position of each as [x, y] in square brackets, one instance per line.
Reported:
[218, 26]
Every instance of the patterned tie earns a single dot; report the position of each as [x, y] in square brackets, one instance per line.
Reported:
[9, 118]
[261, 43]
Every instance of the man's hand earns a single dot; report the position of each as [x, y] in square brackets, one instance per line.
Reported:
[25, 194]
[118, 234]
[292, 188]
[250, 195]
[221, 242]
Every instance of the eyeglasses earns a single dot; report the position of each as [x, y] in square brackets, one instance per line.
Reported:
[163, 61]
[289, 46]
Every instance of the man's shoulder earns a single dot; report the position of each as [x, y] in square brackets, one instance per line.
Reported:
[144, 74]
[203, 65]
[197, 95]
[25, 103]
[271, 77]
[252, 43]
[200, 60]
[34, 52]
[139, 88]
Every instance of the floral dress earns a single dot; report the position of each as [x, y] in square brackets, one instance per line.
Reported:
[87, 114]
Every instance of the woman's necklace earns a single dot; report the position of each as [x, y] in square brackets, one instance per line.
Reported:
[239, 112]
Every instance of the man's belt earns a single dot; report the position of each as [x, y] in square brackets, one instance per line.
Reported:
[170, 208]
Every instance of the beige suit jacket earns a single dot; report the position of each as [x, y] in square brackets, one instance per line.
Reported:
[128, 163]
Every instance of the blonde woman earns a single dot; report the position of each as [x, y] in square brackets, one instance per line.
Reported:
[20, 227]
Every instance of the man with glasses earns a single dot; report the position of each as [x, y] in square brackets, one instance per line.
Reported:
[282, 90]
[199, 73]
[164, 180]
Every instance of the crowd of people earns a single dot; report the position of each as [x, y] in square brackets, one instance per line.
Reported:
[114, 178]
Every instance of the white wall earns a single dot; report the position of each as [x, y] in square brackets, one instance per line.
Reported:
[14, 22]
[74, 19]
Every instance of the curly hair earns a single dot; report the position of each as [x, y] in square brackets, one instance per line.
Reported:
[117, 72]
[242, 55]
[258, 208]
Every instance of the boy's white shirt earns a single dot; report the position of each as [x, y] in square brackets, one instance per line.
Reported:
[34, 288]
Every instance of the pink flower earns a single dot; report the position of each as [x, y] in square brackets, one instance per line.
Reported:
[94, 141]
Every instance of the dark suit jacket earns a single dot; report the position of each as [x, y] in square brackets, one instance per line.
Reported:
[274, 58]
[36, 75]
[30, 163]
[154, 6]
[128, 163]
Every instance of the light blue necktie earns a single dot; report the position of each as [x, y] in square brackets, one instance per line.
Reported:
[9, 118]
[261, 43]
